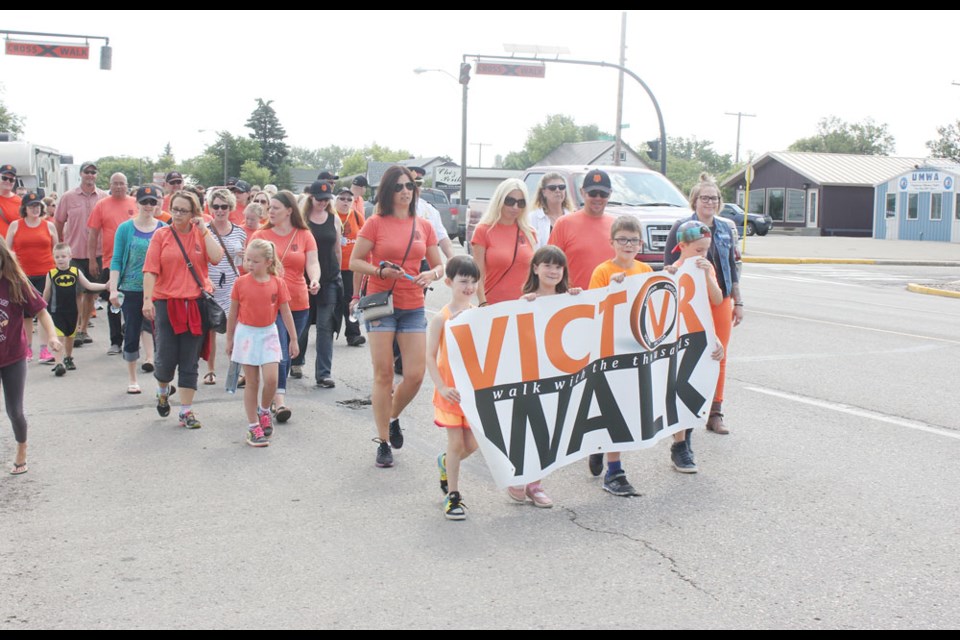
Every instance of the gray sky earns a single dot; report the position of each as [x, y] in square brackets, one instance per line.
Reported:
[346, 77]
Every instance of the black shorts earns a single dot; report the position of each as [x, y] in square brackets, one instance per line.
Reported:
[65, 323]
[83, 264]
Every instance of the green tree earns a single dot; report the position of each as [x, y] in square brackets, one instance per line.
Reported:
[356, 162]
[948, 146]
[137, 170]
[254, 173]
[836, 136]
[207, 168]
[331, 157]
[688, 158]
[9, 121]
[544, 138]
[268, 131]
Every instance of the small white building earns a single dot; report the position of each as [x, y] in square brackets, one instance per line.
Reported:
[920, 204]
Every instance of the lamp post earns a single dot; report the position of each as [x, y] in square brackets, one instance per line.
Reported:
[463, 80]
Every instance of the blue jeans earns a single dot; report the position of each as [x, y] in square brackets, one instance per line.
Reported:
[133, 324]
[326, 309]
[299, 323]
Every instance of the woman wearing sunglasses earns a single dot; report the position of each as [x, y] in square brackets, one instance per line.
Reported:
[232, 239]
[503, 244]
[388, 252]
[126, 277]
[554, 201]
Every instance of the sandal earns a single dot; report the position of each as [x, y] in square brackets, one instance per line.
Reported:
[19, 468]
[210, 377]
[241, 382]
[133, 389]
[147, 367]
[282, 413]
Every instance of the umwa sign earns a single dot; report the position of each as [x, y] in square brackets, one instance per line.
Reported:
[47, 50]
[548, 382]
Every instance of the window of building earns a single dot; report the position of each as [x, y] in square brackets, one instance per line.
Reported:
[796, 205]
[757, 199]
[891, 208]
[913, 206]
[956, 208]
[936, 206]
[775, 204]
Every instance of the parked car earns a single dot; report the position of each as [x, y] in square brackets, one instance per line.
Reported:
[757, 224]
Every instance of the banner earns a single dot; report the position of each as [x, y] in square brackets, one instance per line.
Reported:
[548, 382]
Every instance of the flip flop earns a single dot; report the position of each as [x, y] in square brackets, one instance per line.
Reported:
[210, 377]
[133, 389]
[18, 469]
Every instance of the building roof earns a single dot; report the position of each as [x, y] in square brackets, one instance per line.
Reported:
[842, 169]
[586, 153]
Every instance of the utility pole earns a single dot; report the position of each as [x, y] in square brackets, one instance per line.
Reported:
[481, 145]
[623, 60]
[739, 115]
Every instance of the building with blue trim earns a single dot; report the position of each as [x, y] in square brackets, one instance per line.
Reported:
[920, 204]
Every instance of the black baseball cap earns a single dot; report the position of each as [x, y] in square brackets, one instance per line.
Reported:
[597, 180]
[420, 171]
[9, 169]
[327, 175]
[321, 190]
[240, 185]
[31, 198]
[173, 175]
[148, 193]
[360, 181]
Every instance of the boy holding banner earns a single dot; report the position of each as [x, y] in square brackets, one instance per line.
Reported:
[462, 275]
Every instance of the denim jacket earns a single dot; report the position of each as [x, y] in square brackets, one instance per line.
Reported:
[723, 240]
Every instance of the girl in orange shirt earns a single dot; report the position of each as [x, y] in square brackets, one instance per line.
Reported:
[252, 337]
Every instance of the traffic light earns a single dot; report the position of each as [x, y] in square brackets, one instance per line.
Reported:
[654, 149]
[464, 73]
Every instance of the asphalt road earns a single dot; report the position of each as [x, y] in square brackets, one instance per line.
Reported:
[833, 503]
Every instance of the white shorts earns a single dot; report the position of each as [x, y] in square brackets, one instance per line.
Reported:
[256, 345]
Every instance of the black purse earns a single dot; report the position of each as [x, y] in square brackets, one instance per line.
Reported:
[213, 315]
[378, 305]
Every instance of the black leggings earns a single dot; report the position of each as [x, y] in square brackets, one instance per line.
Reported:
[13, 380]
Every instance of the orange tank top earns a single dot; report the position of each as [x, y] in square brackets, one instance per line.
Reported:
[443, 363]
[34, 248]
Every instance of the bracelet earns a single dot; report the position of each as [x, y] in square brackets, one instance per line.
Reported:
[355, 298]
[438, 276]
[380, 273]
[738, 304]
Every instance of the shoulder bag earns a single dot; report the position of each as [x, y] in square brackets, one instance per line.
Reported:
[214, 317]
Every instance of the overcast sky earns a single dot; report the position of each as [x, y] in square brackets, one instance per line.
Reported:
[346, 77]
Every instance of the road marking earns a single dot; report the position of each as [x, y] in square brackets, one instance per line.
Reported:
[855, 326]
[862, 413]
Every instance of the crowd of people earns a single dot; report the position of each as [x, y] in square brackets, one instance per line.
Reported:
[277, 264]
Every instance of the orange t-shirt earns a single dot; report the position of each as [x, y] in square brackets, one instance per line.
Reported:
[503, 276]
[443, 364]
[236, 216]
[292, 252]
[107, 215]
[9, 211]
[258, 303]
[390, 236]
[601, 275]
[164, 216]
[165, 260]
[34, 248]
[586, 241]
[352, 223]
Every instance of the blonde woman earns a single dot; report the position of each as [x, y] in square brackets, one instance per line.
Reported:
[554, 201]
[503, 244]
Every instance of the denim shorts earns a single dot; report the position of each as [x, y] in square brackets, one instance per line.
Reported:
[402, 321]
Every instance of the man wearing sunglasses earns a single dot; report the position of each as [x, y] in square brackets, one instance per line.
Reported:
[241, 191]
[73, 213]
[107, 215]
[585, 234]
[9, 201]
[172, 183]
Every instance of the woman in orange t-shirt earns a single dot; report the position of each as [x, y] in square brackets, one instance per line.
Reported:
[297, 253]
[170, 300]
[388, 251]
[32, 239]
[503, 244]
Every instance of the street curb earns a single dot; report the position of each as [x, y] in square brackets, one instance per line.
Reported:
[909, 263]
[919, 288]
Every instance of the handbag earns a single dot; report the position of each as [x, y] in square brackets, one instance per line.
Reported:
[378, 305]
[212, 313]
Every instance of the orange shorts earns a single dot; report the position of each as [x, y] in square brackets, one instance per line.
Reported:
[447, 420]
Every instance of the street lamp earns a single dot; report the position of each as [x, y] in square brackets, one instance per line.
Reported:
[463, 80]
[223, 137]
[420, 70]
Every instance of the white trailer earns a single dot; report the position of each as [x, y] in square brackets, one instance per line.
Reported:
[38, 167]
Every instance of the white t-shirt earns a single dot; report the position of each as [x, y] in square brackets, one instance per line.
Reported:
[429, 212]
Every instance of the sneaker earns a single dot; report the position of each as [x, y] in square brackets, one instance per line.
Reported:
[29, 354]
[59, 370]
[517, 494]
[356, 341]
[453, 507]
[384, 454]
[326, 383]
[114, 350]
[68, 363]
[539, 497]
[256, 437]
[86, 338]
[98, 303]
[189, 421]
[266, 423]
[442, 465]
[618, 485]
[682, 458]
[163, 404]
[396, 437]
[296, 371]
[46, 357]
[596, 464]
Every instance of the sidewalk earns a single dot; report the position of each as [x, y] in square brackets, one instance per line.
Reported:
[775, 248]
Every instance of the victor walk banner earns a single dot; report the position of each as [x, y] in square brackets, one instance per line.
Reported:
[548, 382]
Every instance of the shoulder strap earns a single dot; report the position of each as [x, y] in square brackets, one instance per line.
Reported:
[413, 230]
[225, 250]
[516, 247]
[187, 258]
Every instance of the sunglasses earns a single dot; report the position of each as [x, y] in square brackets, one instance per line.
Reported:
[345, 199]
[514, 202]
[598, 194]
[149, 202]
[8, 179]
[89, 173]
[182, 211]
[175, 182]
[556, 187]
[220, 207]
[400, 186]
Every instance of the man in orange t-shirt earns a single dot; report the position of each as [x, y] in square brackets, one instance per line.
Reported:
[107, 215]
[585, 235]
[9, 201]
[172, 183]
[241, 191]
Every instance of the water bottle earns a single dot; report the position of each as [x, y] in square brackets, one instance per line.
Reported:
[354, 314]
[233, 376]
[116, 309]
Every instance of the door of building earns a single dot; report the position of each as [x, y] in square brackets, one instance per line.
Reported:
[813, 208]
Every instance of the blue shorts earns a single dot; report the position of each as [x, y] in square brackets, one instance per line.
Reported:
[402, 321]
